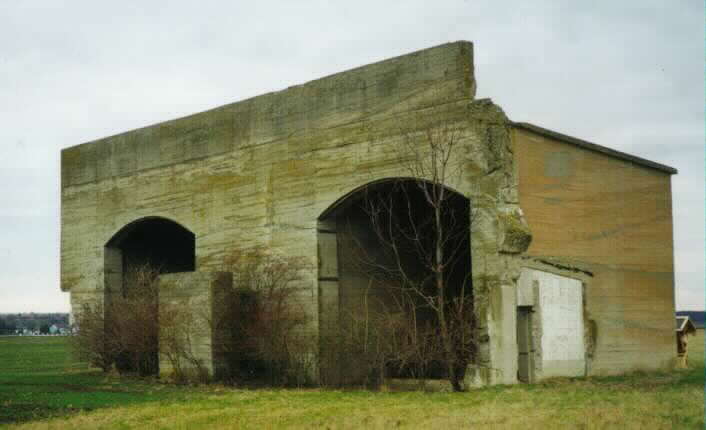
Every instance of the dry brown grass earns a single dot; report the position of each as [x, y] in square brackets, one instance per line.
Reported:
[561, 404]
[637, 401]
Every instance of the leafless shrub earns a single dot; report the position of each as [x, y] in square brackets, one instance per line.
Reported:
[270, 342]
[381, 339]
[89, 341]
[124, 330]
[176, 340]
[133, 321]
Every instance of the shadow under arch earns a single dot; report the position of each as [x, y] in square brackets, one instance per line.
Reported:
[347, 233]
[160, 242]
[358, 193]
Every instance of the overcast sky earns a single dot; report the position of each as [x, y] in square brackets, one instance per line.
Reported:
[628, 75]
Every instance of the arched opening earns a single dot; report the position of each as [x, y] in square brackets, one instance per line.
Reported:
[396, 256]
[159, 242]
[134, 257]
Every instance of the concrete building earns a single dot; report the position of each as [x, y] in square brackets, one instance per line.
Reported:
[571, 243]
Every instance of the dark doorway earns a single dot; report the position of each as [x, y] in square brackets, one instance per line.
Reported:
[163, 244]
[525, 347]
[384, 233]
[133, 258]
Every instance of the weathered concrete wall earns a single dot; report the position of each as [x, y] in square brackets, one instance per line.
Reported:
[502, 327]
[193, 312]
[258, 171]
[613, 219]
[261, 171]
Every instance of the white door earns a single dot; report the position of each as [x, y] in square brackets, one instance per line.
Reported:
[559, 308]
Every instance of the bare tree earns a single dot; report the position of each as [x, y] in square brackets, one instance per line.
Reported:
[422, 255]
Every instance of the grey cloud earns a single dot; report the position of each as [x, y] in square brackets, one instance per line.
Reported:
[626, 75]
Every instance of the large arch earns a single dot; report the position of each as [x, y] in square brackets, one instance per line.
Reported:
[359, 192]
[354, 243]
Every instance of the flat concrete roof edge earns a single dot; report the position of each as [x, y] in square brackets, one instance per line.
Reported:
[269, 93]
[595, 147]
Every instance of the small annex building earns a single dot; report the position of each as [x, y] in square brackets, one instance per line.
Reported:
[571, 246]
[685, 328]
[696, 317]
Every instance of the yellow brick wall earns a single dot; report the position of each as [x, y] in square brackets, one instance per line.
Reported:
[613, 218]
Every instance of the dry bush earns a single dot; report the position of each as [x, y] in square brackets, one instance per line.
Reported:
[270, 343]
[386, 338]
[124, 331]
[133, 321]
[176, 339]
[89, 341]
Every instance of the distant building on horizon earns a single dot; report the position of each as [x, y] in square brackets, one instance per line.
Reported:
[696, 317]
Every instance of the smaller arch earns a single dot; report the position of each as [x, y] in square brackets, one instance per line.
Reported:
[156, 241]
[125, 230]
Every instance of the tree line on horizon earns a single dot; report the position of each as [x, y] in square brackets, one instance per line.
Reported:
[10, 323]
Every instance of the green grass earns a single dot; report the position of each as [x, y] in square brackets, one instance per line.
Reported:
[39, 379]
[41, 387]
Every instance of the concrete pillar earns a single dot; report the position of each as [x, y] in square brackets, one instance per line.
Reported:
[112, 272]
[329, 302]
[194, 311]
[502, 330]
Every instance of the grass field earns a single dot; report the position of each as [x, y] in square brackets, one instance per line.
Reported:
[41, 387]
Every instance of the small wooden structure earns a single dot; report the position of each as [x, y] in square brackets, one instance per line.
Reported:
[685, 328]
